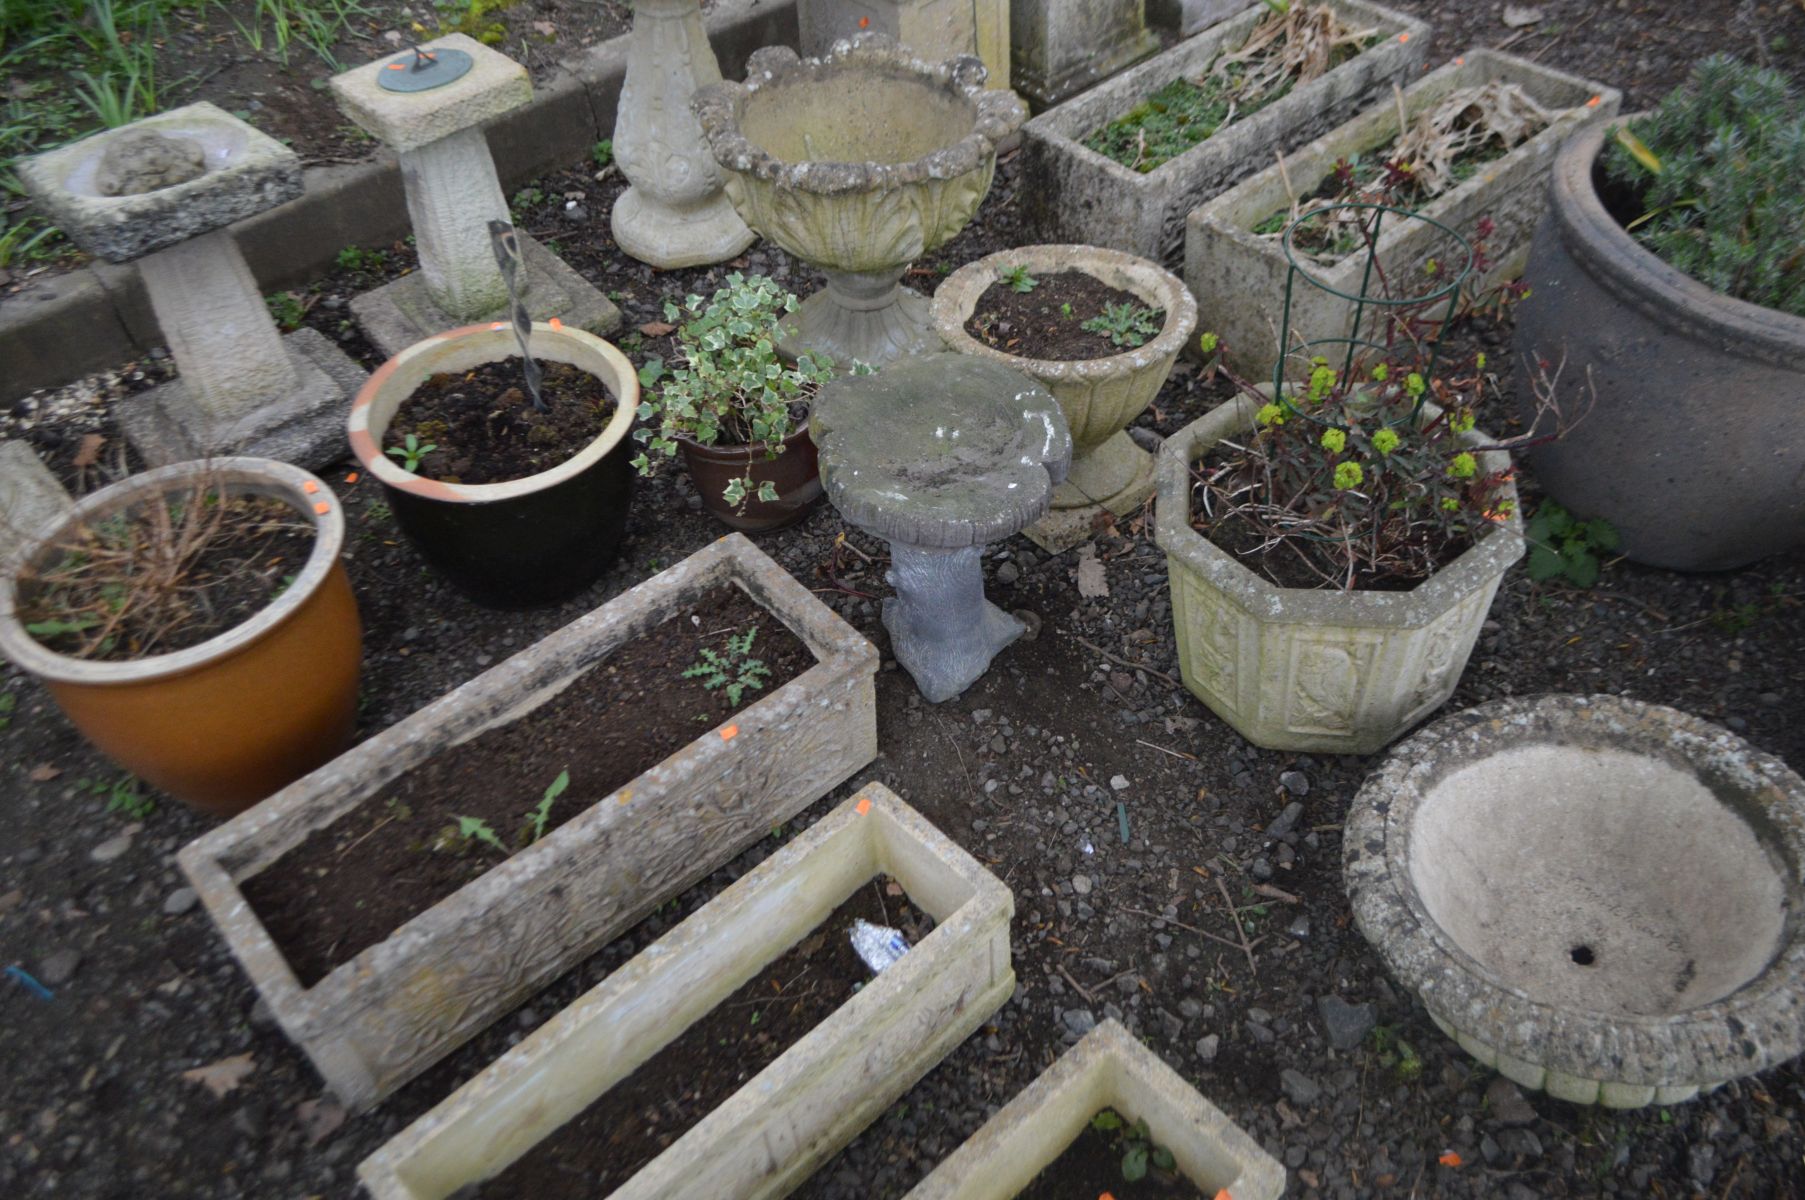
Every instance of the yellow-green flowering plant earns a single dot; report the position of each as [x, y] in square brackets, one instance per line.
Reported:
[1361, 475]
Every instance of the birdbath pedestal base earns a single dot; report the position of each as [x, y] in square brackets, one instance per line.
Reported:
[943, 630]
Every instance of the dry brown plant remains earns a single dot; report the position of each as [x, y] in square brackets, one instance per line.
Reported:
[1295, 45]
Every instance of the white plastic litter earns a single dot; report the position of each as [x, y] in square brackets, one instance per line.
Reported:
[877, 945]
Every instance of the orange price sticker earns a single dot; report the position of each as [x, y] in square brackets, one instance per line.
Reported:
[1461, 61]
[865, 23]
[1450, 1159]
[397, 66]
[351, 478]
[1404, 37]
[322, 508]
[1595, 101]
[863, 806]
[555, 323]
[499, 325]
[1223, 1195]
[310, 487]
[729, 733]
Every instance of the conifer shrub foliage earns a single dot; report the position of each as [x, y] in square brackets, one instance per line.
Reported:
[1720, 169]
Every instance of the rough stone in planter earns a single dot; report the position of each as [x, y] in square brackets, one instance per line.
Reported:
[933, 29]
[1591, 894]
[1100, 396]
[1060, 47]
[1308, 669]
[1188, 17]
[398, 1007]
[941, 456]
[243, 387]
[858, 163]
[1071, 193]
[1110, 1068]
[767, 1137]
[452, 195]
[675, 213]
[1242, 274]
[30, 498]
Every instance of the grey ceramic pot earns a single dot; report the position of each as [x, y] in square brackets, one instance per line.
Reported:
[1695, 446]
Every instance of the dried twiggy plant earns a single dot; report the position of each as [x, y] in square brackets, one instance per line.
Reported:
[1294, 45]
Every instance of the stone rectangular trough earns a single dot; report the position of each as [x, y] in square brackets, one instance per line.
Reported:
[1108, 1069]
[796, 1113]
[401, 1005]
[1071, 193]
[1239, 275]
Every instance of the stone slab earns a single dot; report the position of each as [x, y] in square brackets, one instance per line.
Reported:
[765, 1139]
[935, 30]
[247, 172]
[1058, 48]
[495, 84]
[379, 1019]
[30, 498]
[304, 426]
[401, 312]
[1070, 193]
[1072, 525]
[1109, 1068]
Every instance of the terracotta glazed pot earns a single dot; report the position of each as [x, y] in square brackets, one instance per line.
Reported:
[796, 474]
[528, 542]
[1695, 447]
[223, 724]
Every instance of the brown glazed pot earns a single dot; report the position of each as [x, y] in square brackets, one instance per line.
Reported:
[223, 724]
[796, 474]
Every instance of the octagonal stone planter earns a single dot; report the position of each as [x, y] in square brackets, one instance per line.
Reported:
[1100, 397]
[1224, 257]
[380, 1018]
[1309, 669]
[762, 1141]
[1594, 895]
[1108, 1069]
[1071, 193]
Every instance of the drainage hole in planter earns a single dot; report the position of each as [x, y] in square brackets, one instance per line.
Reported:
[1582, 955]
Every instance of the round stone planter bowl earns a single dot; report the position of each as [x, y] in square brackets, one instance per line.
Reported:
[1312, 669]
[1593, 895]
[224, 723]
[1695, 446]
[528, 542]
[1100, 397]
[858, 163]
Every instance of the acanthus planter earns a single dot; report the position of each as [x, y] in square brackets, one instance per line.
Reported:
[381, 1018]
[783, 1123]
[1591, 894]
[1317, 670]
[1071, 193]
[1244, 273]
[795, 473]
[526, 542]
[222, 724]
[1100, 397]
[1694, 403]
[1109, 1068]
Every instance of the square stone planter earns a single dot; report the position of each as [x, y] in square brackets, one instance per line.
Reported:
[1110, 1068]
[1313, 669]
[1071, 193]
[796, 1113]
[1061, 47]
[1243, 273]
[381, 1018]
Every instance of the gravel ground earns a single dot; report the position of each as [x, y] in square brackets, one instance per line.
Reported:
[1033, 769]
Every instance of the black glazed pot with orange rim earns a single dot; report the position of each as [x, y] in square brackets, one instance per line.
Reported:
[527, 542]
[795, 474]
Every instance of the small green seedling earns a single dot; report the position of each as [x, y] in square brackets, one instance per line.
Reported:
[1124, 324]
[1018, 279]
[122, 796]
[735, 670]
[8, 702]
[542, 813]
[287, 311]
[475, 829]
[1134, 1143]
[1065, 310]
[603, 152]
[1396, 1054]
[1561, 544]
[411, 452]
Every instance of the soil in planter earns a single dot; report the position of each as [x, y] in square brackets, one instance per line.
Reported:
[1048, 321]
[352, 884]
[484, 428]
[1284, 568]
[633, 1122]
[1092, 1166]
[139, 585]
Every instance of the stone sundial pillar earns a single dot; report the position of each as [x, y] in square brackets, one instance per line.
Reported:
[430, 106]
[675, 213]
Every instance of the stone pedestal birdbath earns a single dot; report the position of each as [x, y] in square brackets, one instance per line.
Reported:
[163, 191]
[858, 163]
[1591, 894]
[675, 214]
[940, 456]
[429, 104]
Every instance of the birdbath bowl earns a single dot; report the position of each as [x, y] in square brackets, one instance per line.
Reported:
[858, 163]
[940, 456]
[1593, 895]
